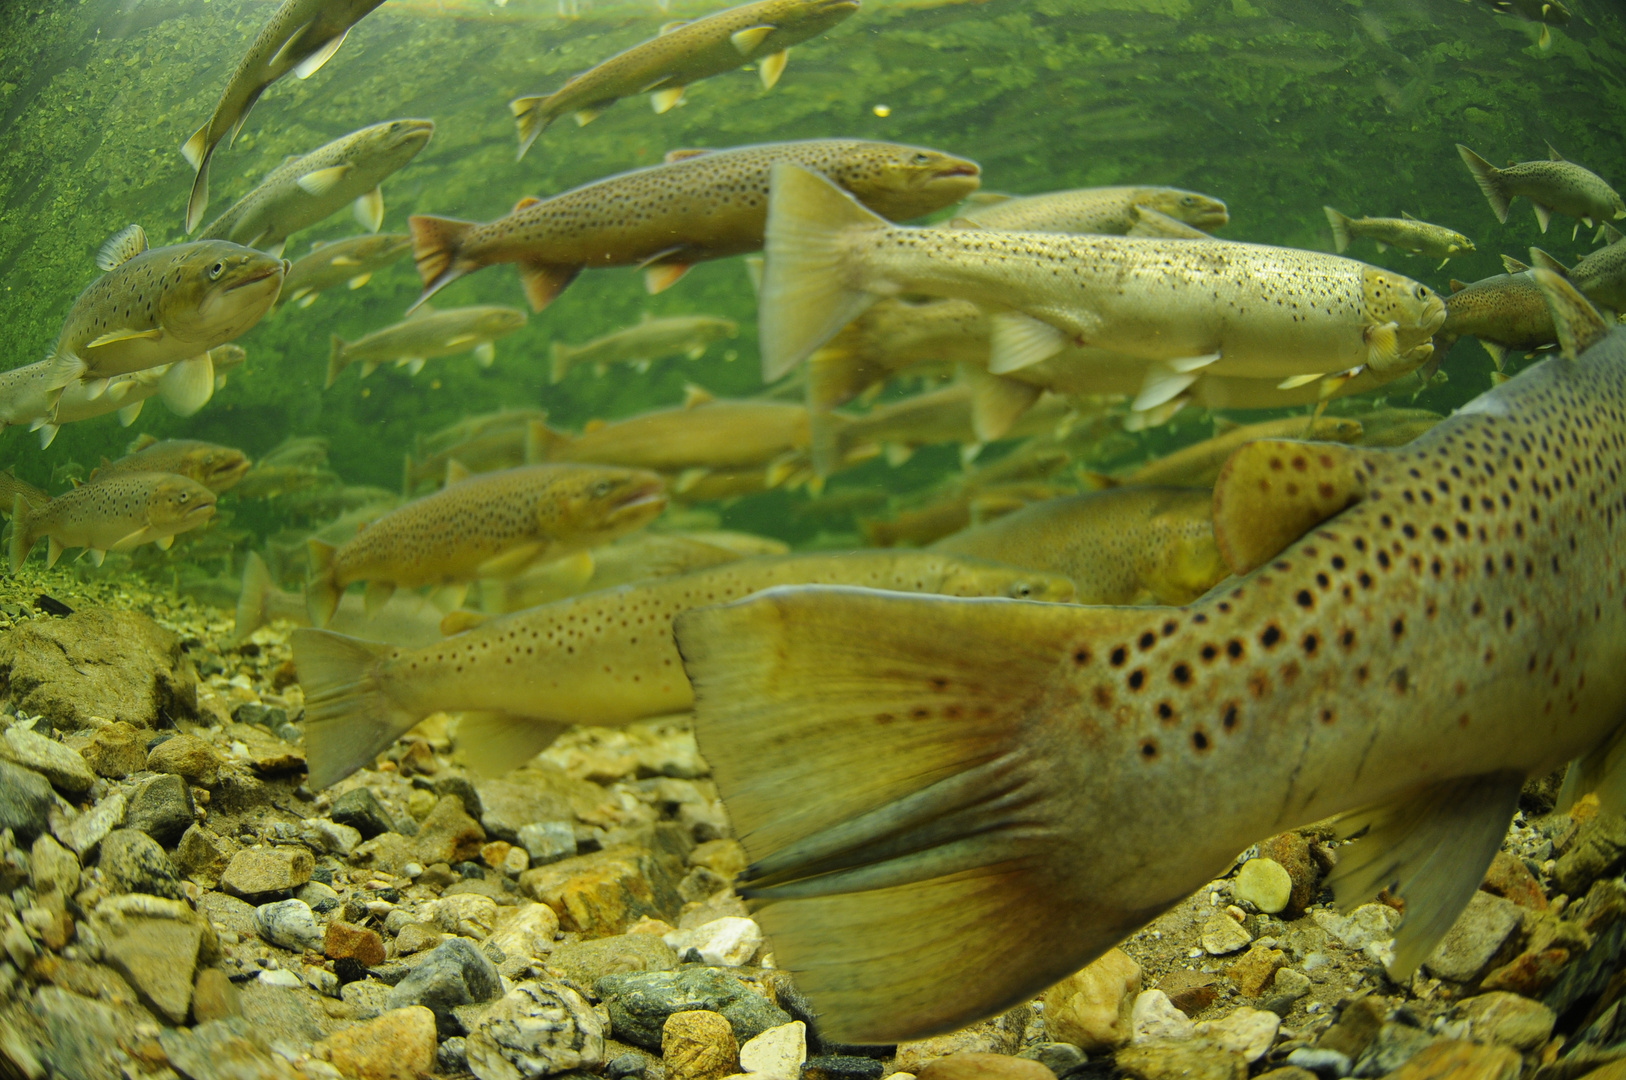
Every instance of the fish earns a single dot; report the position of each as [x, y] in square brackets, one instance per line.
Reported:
[269, 481]
[320, 503]
[352, 261]
[709, 433]
[12, 489]
[32, 394]
[115, 514]
[424, 335]
[697, 205]
[1601, 276]
[1125, 545]
[472, 427]
[1506, 313]
[302, 450]
[1552, 186]
[683, 53]
[1149, 222]
[1404, 232]
[495, 448]
[1394, 426]
[307, 189]
[895, 335]
[127, 394]
[937, 416]
[957, 510]
[300, 36]
[1200, 463]
[1546, 12]
[168, 305]
[494, 524]
[1110, 211]
[1196, 307]
[406, 619]
[599, 658]
[216, 467]
[1411, 634]
[643, 343]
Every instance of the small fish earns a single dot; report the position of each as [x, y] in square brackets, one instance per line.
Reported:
[307, 450]
[1546, 12]
[643, 343]
[893, 336]
[1507, 313]
[305, 190]
[708, 433]
[168, 305]
[1196, 307]
[1110, 211]
[1200, 463]
[321, 503]
[471, 427]
[301, 36]
[1127, 545]
[497, 448]
[910, 774]
[491, 525]
[12, 489]
[269, 481]
[684, 53]
[937, 416]
[217, 468]
[406, 619]
[1551, 186]
[427, 335]
[1404, 232]
[352, 261]
[32, 394]
[600, 658]
[1601, 276]
[115, 514]
[698, 205]
[1149, 222]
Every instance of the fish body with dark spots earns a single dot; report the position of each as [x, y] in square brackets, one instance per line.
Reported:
[427, 335]
[894, 336]
[1507, 313]
[114, 514]
[1552, 186]
[1601, 275]
[352, 261]
[32, 394]
[1406, 233]
[1112, 211]
[643, 343]
[216, 467]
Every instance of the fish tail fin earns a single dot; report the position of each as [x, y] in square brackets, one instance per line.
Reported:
[827, 432]
[188, 385]
[322, 589]
[436, 246]
[807, 295]
[837, 373]
[559, 358]
[251, 599]
[64, 369]
[22, 533]
[1489, 179]
[336, 360]
[349, 718]
[532, 118]
[1340, 229]
[953, 818]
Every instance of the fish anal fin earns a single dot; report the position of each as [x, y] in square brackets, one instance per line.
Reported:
[1601, 772]
[1273, 491]
[493, 743]
[485, 354]
[1161, 386]
[355, 283]
[663, 276]
[313, 63]
[1293, 382]
[378, 594]
[770, 67]
[96, 556]
[666, 99]
[1544, 216]
[996, 402]
[460, 619]
[545, 281]
[1578, 323]
[747, 40]
[1431, 848]
[583, 117]
[511, 561]
[164, 542]
[1018, 341]
[368, 209]
[1498, 353]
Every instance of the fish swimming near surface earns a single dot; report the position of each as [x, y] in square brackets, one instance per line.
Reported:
[1405, 232]
[493, 524]
[684, 53]
[352, 261]
[643, 343]
[1112, 211]
[600, 658]
[1412, 634]
[1200, 463]
[300, 36]
[1506, 313]
[115, 514]
[1601, 276]
[406, 619]
[168, 305]
[1552, 186]
[306, 189]
[32, 394]
[698, 205]
[1127, 545]
[216, 467]
[1196, 307]
[427, 334]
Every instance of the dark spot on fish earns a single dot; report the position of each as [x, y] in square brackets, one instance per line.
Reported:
[1271, 636]
[1199, 740]
[1305, 599]
[1119, 655]
[1328, 716]
[1137, 678]
[1182, 674]
[1165, 711]
[1103, 696]
[1081, 657]
[1148, 749]
[1147, 640]
[1230, 719]
[1233, 649]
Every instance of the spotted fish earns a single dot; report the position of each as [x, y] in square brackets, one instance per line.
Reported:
[216, 467]
[1113, 211]
[114, 514]
[1412, 634]
[1551, 185]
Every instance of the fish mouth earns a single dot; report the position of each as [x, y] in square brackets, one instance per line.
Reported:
[277, 269]
[1212, 219]
[644, 495]
[964, 169]
[221, 479]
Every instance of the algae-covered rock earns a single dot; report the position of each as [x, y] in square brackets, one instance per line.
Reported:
[117, 665]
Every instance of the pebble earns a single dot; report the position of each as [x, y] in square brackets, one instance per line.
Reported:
[640, 1002]
[547, 841]
[1255, 969]
[1530, 973]
[1291, 984]
[186, 756]
[1367, 924]
[25, 801]
[1000, 1034]
[1190, 991]
[1155, 1019]
[1180, 1061]
[1058, 1057]
[82, 832]
[1597, 849]
[452, 1057]
[1510, 879]
[1222, 934]
[467, 915]
[398, 1045]
[842, 1067]
[1473, 941]
[133, 862]
[288, 924]
[1460, 1061]
[727, 942]
[1246, 1031]
[454, 973]
[1326, 1063]
[416, 937]
[116, 751]
[320, 897]
[1265, 884]
[777, 1052]
[697, 1045]
[537, 1029]
[52, 867]
[162, 808]
[214, 997]
[1509, 1020]
[448, 834]
[345, 942]
[65, 769]
[1092, 1008]
[279, 978]
[586, 962]
[201, 855]
[1394, 1045]
[81, 1036]
[360, 809]
[985, 1067]
[1294, 854]
[1358, 1024]
[257, 871]
[602, 893]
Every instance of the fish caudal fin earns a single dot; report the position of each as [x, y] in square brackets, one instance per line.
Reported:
[22, 533]
[1340, 229]
[948, 824]
[436, 242]
[322, 589]
[251, 598]
[806, 293]
[188, 385]
[532, 119]
[543, 282]
[349, 719]
[559, 361]
[1489, 179]
[337, 361]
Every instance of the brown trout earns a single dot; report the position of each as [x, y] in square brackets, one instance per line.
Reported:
[1200, 463]
[31, 394]
[352, 261]
[115, 514]
[642, 343]
[600, 658]
[1111, 211]
[492, 524]
[1413, 634]
[300, 37]
[498, 448]
[1552, 185]
[684, 52]
[407, 619]
[1601, 276]
[698, 205]
[217, 468]
[1546, 12]
[1506, 313]
[424, 335]
[893, 336]
[1404, 232]
[708, 434]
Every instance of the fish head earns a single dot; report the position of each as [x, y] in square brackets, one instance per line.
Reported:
[1192, 207]
[178, 503]
[1456, 244]
[393, 143]
[607, 502]
[215, 290]
[903, 182]
[1415, 309]
[972, 577]
[226, 357]
[799, 17]
[216, 467]
[497, 321]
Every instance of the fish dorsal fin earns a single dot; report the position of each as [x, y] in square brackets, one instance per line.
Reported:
[1553, 154]
[1578, 323]
[694, 396]
[1512, 265]
[459, 620]
[140, 443]
[1457, 286]
[1273, 491]
[684, 155]
[121, 247]
[1408, 217]
[595, 424]
[747, 40]
[987, 198]
[455, 471]
[1545, 261]
[673, 25]
[527, 201]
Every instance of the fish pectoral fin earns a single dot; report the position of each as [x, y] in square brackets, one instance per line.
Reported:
[545, 281]
[313, 63]
[413, 364]
[1578, 323]
[1273, 491]
[164, 542]
[1018, 341]
[1431, 848]
[666, 99]
[113, 337]
[1187, 364]
[1293, 382]
[450, 597]
[1601, 772]
[368, 209]
[355, 283]
[1498, 353]
[121, 247]
[130, 412]
[996, 402]
[695, 396]
[343, 260]
[95, 555]
[659, 278]
[782, 468]
[378, 594]
[485, 354]
[322, 181]
[770, 67]
[461, 340]
[461, 619]
[511, 561]
[747, 40]
[688, 478]
[878, 894]
[131, 539]
[583, 117]
[48, 433]
[1161, 386]
[1383, 345]
[493, 743]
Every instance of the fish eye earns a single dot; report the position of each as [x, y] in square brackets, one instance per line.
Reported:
[1422, 292]
[216, 270]
[183, 497]
[1021, 590]
[602, 488]
[1189, 200]
[921, 159]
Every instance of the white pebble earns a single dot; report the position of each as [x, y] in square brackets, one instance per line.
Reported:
[279, 978]
[1155, 1018]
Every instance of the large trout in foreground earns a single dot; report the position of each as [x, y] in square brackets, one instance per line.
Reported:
[1414, 633]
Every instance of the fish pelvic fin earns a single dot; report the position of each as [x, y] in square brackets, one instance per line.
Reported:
[251, 598]
[828, 440]
[559, 362]
[337, 361]
[876, 894]
[1340, 229]
[1489, 179]
[807, 296]
[1273, 491]
[996, 402]
[188, 385]
[1578, 323]
[349, 718]
[322, 590]
[436, 243]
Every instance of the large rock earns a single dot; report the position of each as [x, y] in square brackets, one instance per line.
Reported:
[1460, 1061]
[65, 769]
[399, 1045]
[1597, 851]
[537, 1029]
[777, 1052]
[605, 892]
[25, 801]
[1510, 1020]
[154, 944]
[697, 1045]
[985, 1067]
[586, 962]
[256, 871]
[640, 1002]
[116, 751]
[1181, 1061]
[82, 1036]
[1091, 1008]
[230, 1048]
[186, 756]
[119, 665]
